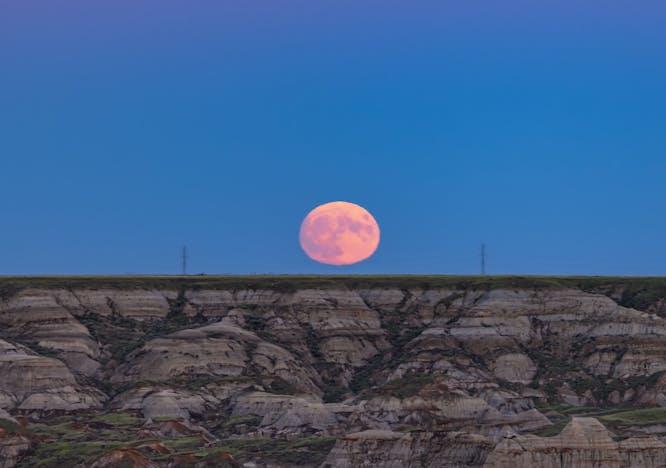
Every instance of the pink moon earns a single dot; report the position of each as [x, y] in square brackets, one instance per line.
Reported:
[339, 233]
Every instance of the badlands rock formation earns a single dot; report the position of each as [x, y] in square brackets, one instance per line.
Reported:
[333, 371]
[583, 442]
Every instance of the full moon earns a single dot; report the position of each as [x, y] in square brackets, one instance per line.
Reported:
[339, 233]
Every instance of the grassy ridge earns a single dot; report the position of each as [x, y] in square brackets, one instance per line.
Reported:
[329, 281]
[638, 417]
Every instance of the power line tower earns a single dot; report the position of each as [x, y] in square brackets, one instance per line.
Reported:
[483, 259]
[183, 260]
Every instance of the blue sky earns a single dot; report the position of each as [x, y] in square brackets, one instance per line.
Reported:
[130, 128]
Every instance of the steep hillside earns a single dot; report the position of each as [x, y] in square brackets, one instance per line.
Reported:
[333, 371]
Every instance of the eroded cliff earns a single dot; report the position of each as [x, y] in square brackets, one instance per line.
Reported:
[430, 371]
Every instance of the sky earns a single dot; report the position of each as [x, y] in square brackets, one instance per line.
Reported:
[130, 128]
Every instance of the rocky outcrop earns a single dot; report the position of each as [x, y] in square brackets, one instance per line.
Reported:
[41, 318]
[216, 350]
[450, 412]
[584, 442]
[386, 449]
[13, 447]
[165, 403]
[35, 383]
[335, 324]
[514, 367]
[284, 412]
[133, 304]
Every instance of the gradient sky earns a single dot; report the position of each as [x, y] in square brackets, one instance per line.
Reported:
[130, 127]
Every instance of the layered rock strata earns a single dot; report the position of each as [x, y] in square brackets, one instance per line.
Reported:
[389, 375]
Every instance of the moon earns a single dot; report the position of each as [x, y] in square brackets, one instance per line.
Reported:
[339, 233]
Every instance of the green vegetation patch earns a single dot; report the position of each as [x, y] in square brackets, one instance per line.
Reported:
[246, 420]
[581, 384]
[334, 393]
[407, 386]
[9, 426]
[119, 419]
[552, 430]
[184, 444]
[68, 453]
[59, 430]
[281, 387]
[78, 440]
[363, 377]
[120, 334]
[301, 451]
[639, 417]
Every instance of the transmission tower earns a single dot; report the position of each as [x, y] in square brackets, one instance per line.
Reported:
[483, 259]
[183, 260]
